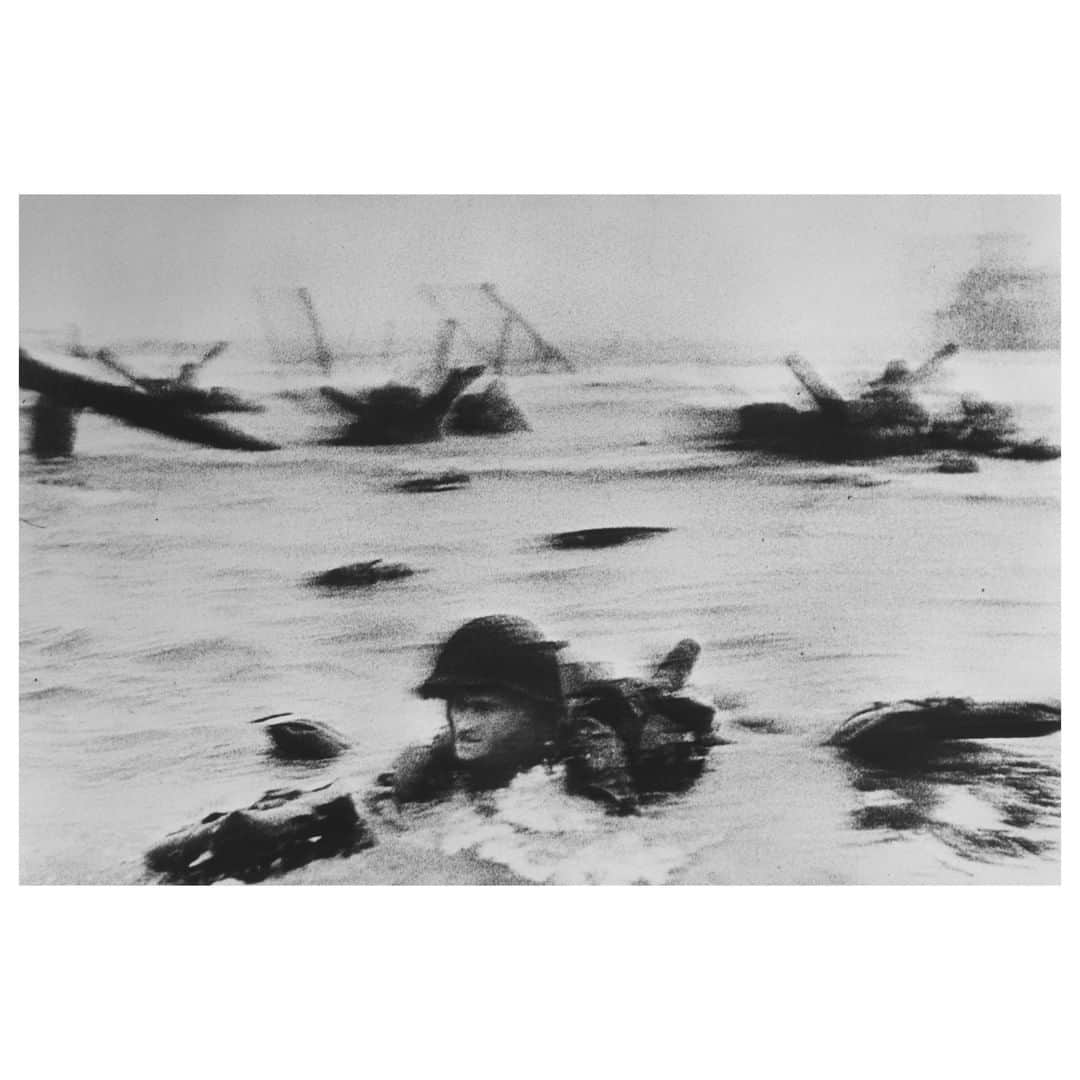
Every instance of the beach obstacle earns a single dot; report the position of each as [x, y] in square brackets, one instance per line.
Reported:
[64, 394]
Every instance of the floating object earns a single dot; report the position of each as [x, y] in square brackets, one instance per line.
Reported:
[356, 575]
[895, 725]
[957, 463]
[447, 481]
[282, 830]
[303, 740]
[601, 538]
[130, 406]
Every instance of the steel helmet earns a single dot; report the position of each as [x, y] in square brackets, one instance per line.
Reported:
[499, 651]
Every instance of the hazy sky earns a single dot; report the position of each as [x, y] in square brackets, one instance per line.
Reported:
[749, 269]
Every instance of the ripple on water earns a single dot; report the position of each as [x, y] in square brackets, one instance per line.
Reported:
[197, 649]
[546, 836]
[45, 694]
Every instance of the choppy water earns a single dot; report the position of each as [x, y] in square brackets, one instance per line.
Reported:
[163, 606]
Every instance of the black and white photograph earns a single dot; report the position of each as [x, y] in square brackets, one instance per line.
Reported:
[543, 445]
[539, 539]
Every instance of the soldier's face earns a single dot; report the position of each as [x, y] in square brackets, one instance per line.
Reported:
[490, 723]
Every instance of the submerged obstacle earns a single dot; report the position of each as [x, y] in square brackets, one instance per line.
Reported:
[543, 355]
[199, 399]
[492, 411]
[53, 433]
[1036, 450]
[396, 415]
[883, 421]
[52, 429]
[181, 390]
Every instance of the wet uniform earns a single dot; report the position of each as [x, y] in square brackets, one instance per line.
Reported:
[620, 740]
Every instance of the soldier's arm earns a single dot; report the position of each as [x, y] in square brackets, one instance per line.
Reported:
[421, 772]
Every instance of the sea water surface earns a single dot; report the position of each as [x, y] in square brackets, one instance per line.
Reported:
[164, 606]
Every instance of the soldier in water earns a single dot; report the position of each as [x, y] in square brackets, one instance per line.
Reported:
[507, 711]
[512, 705]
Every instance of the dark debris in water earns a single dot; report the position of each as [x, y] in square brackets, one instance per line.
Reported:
[899, 728]
[603, 538]
[296, 739]
[447, 481]
[280, 831]
[360, 575]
